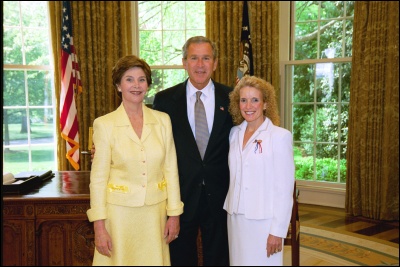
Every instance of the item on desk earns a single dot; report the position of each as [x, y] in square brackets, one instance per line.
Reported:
[42, 175]
[26, 181]
[8, 178]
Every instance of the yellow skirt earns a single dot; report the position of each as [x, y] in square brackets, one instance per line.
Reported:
[137, 235]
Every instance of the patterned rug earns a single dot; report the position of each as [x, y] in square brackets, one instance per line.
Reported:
[321, 247]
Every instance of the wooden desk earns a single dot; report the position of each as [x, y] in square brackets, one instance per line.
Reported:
[48, 225]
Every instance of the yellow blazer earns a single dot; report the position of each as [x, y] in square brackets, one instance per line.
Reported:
[133, 172]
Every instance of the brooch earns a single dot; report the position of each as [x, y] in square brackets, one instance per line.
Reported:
[258, 146]
[162, 185]
[117, 188]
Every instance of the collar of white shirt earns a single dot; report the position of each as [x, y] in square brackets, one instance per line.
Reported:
[206, 91]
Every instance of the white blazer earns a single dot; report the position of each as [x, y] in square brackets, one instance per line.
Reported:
[262, 175]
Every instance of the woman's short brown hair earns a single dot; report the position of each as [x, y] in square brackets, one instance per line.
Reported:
[125, 63]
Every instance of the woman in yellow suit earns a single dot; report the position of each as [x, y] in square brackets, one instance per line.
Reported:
[135, 198]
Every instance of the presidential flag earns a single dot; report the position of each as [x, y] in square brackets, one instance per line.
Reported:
[70, 86]
[246, 53]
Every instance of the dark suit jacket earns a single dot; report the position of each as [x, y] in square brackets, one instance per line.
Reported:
[192, 170]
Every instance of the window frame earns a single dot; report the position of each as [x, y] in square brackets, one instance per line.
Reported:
[323, 193]
[30, 145]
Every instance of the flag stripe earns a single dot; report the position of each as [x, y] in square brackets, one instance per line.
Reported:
[70, 86]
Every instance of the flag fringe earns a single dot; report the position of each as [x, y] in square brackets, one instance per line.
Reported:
[72, 151]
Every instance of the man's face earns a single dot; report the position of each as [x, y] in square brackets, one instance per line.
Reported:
[200, 64]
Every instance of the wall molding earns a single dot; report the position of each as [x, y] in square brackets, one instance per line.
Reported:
[322, 193]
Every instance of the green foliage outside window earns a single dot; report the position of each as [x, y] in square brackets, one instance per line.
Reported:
[326, 168]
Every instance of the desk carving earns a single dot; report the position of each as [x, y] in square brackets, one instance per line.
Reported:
[48, 225]
[67, 209]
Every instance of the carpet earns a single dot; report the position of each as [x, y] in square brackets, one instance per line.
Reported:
[324, 247]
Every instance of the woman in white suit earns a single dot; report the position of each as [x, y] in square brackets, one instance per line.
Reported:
[260, 197]
[134, 185]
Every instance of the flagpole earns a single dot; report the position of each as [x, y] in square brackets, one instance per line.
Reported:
[246, 52]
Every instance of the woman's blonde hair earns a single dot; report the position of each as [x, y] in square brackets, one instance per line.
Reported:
[268, 93]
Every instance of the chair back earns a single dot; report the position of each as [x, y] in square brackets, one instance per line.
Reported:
[293, 236]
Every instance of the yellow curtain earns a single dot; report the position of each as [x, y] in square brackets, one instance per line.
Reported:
[102, 34]
[372, 188]
[223, 26]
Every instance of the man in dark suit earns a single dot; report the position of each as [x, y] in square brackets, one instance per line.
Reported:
[204, 181]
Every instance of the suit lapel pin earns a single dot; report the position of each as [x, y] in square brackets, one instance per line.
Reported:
[221, 108]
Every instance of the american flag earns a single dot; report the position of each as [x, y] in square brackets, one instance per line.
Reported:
[246, 52]
[70, 86]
